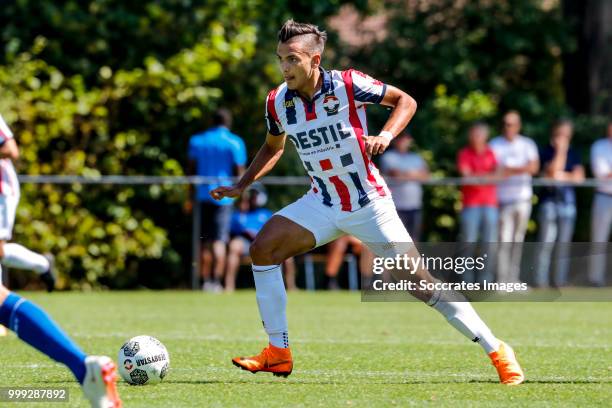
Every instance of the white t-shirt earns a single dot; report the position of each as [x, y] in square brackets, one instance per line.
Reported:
[407, 195]
[601, 163]
[9, 183]
[516, 153]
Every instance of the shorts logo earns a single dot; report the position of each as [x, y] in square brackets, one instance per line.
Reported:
[331, 104]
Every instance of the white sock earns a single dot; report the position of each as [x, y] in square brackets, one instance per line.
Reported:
[20, 257]
[272, 302]
[463, 317]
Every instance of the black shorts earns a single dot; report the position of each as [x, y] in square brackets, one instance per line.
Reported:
[215, 222]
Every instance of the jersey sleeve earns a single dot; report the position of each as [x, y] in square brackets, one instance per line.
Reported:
[272, 121]
[5, 131]
[366, 89]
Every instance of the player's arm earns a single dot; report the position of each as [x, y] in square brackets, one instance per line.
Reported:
[9, 150]
[264, 161]
[404, 107]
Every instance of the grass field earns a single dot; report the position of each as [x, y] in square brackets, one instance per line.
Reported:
[347, 353]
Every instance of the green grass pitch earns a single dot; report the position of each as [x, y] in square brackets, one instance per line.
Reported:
[347, 353]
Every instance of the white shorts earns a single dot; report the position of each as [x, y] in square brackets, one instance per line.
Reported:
[8, 207]
[377, 224]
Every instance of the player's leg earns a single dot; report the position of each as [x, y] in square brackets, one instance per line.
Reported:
[36, 328]
[295, 229]
[235, 250]
[379, 225]
[15, 255]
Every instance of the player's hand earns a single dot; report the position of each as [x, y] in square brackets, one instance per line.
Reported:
[229, 191]
[375, 144]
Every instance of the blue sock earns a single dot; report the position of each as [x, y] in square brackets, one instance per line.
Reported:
[36, 328]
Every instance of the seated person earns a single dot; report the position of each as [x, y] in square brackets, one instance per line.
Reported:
[335, 256]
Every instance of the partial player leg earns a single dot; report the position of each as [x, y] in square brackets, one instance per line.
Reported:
[380, 225]
[17, 256]
[288, 233]
[36, 328]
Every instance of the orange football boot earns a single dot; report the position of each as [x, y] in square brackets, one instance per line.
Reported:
[272, 359]
[508, 368]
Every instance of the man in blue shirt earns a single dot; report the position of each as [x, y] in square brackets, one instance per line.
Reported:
[216, 152]
[557, 212]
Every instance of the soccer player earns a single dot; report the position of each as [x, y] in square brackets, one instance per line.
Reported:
[11, 254]
[323, 114]
[96, 374]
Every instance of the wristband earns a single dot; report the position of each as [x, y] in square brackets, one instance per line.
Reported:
[386, 134]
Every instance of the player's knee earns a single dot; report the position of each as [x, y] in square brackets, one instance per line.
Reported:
[262, 253]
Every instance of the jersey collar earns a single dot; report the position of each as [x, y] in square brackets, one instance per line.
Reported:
[326, 87]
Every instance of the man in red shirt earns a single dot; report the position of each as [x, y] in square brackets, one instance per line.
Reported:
[479, 216]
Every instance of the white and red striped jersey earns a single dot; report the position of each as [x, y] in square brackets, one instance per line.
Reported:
[327, 133]
[9, 183]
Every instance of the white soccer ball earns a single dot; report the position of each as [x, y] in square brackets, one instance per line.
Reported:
[143, 360]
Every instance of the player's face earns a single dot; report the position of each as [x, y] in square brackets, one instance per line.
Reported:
[297, 64]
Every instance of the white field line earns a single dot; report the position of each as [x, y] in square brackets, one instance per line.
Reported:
[243, 339]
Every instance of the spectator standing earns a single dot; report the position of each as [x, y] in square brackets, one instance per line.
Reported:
[408, 170]
[601, 221]
[518, 161]
[557, 209]
[216, 152]
[480, 213]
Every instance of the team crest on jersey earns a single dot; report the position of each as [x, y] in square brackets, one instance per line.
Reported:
[289, 104]
[331, 104]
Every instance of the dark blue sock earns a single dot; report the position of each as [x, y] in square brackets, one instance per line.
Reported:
[36, 328]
